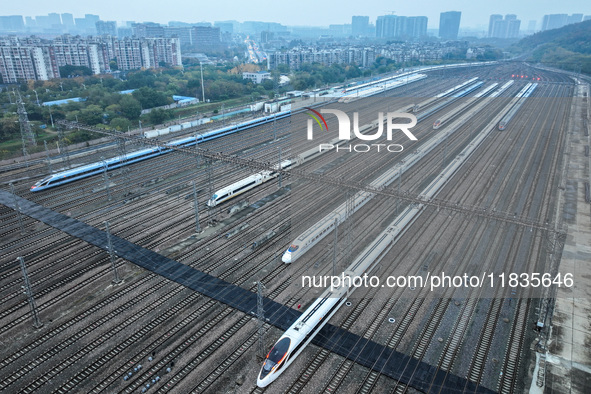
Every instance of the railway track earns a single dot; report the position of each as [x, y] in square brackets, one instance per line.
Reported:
[195, 256]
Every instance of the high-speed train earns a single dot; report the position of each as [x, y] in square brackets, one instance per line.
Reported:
[299, 335]
[437, 124]
[246, 184]
[85, 171]
[522, 96]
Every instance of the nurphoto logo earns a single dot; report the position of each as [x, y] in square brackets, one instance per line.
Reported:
[348, 133]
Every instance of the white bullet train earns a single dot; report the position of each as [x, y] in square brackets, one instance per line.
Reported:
[299, 335]
[519, 100]
[245, 184]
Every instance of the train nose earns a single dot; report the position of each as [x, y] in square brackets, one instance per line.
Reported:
[265, 377]
[286, 257]
[263, 382]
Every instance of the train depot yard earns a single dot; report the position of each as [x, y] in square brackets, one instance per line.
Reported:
[422, 232]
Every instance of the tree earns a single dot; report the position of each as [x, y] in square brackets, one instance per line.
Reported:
[69, 71]
[9, 127]
[130, 107]
[120, 123]
[353, 72]
[113, 111]
[149, 97]
[91, 115]
[158, 115]
[283, 68]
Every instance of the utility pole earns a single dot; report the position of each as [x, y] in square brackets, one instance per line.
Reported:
[212, 210]
[29, 292]
[196, 203]
[261, 320]
[274, 127]
[106, 178]
[202, 85]
[51, 118]
[279, 167]
[197, 149]
[334, 249]
[112, 256]
[399, 184]
[348, 249]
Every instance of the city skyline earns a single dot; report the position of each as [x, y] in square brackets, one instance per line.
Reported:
[310, 13]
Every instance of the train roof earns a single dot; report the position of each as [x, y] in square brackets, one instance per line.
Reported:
[74, 171]
[240, 183]
[99, 164]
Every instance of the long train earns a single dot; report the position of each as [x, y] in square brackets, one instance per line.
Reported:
[523, 95]
[443, 120]
[88, 170]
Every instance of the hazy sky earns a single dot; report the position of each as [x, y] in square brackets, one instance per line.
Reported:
[300, 12]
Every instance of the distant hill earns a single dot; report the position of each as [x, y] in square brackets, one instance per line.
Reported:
[568, 47]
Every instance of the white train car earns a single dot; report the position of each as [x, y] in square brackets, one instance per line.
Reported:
[237, 188]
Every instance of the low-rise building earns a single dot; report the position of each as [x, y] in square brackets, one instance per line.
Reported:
[256, 77]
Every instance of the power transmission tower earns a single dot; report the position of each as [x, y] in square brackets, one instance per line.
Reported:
[26, 131]
[63, 145]
[29, 292]
[212, 210]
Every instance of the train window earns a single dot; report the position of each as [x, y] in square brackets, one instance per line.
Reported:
[293, 248]
[43, 182]
[279, 351]
[222, 196]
